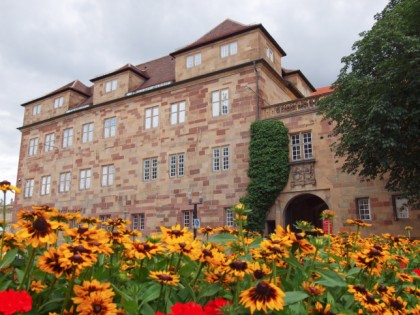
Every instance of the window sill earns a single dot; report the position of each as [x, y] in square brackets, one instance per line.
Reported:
[302, 161]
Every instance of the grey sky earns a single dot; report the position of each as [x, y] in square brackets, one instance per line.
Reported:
[45, 44]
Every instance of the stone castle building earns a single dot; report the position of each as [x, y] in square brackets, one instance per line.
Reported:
[145, 142]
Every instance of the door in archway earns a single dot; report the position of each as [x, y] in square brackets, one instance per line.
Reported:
[305, 207]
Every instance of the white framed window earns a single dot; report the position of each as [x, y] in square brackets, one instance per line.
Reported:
[187, 218]
[230, 217]
[36, 110]
[109, 127]
[84, 179]
[45, 185]
[177, 113]
[363, 208]
[194, 60]
[177, 165]
[111, 86]
[269, 53]
[64, 182]
[150, 169]
[151, 117]
[67, 137]
[87, 132]
[29, 188]
[400, 207]
[33, 146]
[220, 158]
[108, 172]
[103, 218]
[137, 220]
[228, 49]
[49, 142]
[301, 146]
[58, 102]
[220, 102]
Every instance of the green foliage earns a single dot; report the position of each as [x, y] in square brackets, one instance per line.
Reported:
[268, 169]
[375, 105]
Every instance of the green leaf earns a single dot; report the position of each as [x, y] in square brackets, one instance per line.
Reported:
[151, 293]
[330, 278]
[223, 238]
[210, 290]
[256, 242]
[294, 297]
[8, 258]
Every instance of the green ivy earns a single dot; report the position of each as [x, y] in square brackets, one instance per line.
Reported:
[268, 169]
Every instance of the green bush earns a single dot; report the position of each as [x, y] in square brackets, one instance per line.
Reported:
[268, 169]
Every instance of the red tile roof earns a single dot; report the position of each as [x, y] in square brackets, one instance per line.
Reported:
[159, 71]
[326, 89]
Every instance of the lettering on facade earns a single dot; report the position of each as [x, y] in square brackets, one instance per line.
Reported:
[72, 210]
[293, 106]
[303, 174]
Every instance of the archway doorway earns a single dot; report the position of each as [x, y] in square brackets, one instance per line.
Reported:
[305, 207]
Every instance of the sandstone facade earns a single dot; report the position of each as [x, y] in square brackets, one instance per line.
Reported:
[145, 141]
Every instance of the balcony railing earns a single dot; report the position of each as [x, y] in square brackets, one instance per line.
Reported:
[290, 107]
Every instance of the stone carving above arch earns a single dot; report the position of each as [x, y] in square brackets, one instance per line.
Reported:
[303, 174]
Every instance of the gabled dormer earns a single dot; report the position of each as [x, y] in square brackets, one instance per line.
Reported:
[299, 81]
[117, 83]
[56, 103]
[227, 45]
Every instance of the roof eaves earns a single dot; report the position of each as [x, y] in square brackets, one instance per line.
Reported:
[238, 32]
[127, 67]
[291, 72]
[58, 91]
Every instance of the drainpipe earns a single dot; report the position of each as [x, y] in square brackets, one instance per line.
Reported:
[257, 92]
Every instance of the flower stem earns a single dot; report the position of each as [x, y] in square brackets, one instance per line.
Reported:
[28, 268]
[69, 290]
[198, 273]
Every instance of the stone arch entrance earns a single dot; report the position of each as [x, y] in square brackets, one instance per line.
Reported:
[307, 207]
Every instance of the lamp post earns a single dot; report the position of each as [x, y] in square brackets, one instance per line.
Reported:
[190, 202]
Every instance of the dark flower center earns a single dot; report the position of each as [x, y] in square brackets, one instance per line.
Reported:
[396, 304]
[80, 249]
[77, 258]
[238, 265]
[360, 288]
[263, 291]
[97, 308]
[176, 233]
[258, 274]
[41, 225]
[164, 278]
[81, 230]
[206, 252]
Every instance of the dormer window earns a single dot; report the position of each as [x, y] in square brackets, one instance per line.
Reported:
[36, 110]
[111, 86]
[229, 49]
[270, 54]
[58, 102]
[194, 60]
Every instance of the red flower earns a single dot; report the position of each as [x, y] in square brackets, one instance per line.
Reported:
[187, 309]
[213, 307]
[15, 301]
[417, 271]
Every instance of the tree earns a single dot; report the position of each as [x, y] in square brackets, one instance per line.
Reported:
[375, 104]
